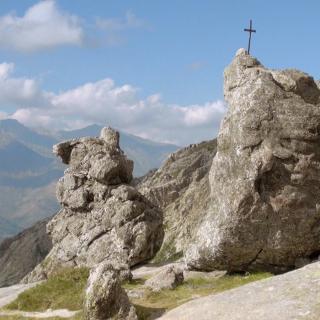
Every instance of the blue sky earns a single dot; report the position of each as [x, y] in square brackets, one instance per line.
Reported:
[163, 60]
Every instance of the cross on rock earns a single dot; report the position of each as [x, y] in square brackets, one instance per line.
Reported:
[250, 30]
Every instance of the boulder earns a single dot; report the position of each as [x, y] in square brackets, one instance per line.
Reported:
[180, 187]
[169, 278]
[265, 178]
[294, 295]
[102, 217]
[105, 299]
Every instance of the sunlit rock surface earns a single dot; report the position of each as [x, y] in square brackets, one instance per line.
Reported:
[265, 177]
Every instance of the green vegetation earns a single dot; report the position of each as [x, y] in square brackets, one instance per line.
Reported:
[158, 302]
[167, 253]
[63, 290]
[134, 284]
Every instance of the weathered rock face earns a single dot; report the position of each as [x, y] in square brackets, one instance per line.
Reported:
[265, 177]
[294, 295]
[181, 189]
[169, 278]
[105, 299]
[21, 253]
[102, 218]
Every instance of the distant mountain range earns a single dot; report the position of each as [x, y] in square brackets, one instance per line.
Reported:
[29, 170]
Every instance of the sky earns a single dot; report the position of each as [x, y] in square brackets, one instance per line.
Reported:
[150, 68]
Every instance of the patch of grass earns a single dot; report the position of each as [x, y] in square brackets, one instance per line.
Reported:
[167, 253]
[63, 290]
[158, 302]
[134, 284]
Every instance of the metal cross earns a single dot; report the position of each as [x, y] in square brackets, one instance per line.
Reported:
[250, 30]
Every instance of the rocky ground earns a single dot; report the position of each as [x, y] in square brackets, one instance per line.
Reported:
[59, 313]
[294, 295]
[49, 298]
[8, 294]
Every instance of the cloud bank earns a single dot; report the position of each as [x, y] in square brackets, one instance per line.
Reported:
[104, 102]
[43, 26]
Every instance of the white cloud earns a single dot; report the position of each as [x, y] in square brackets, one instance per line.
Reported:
[5, 70]
[114, 28]
[43, 26]
[200, 115]
[19, 92]
[130, 21]
[103, 102]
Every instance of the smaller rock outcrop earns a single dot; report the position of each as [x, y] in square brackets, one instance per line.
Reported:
[102, 217]
[105, 299]
[169, 278]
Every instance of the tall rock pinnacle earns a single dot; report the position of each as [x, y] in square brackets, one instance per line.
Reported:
[102, 218]
[265, 177]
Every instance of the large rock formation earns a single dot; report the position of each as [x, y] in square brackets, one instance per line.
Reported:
[102, 217]
[21, 253]
[180, 187]
[265, 177]
[294, 295]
